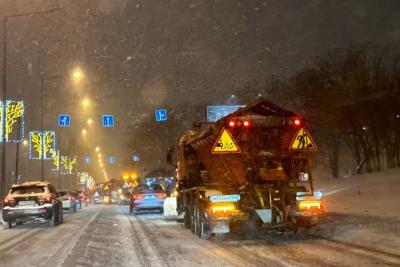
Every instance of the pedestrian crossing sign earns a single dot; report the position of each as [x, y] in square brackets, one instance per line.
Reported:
[303, 141]
[225, 143]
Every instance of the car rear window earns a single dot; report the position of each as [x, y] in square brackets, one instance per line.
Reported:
[23, 190]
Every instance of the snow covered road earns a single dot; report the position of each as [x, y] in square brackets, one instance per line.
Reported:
[108, 236]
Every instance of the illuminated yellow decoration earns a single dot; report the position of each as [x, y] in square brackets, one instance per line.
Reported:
[14, 111]
[41, 144]
[48, 143]
[36, 140]
[64, 162]
[68, 164]
[56, 158]
[1, 121]
[71, 165]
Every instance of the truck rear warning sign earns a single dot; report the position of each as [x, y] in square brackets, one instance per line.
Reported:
[225, 143]
[303, 141]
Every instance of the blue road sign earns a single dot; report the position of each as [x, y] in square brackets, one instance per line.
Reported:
[161, 114]
[135, 158]
[214, 113]
[64, 120]
[111, 159]
[87, 159]
[108, 120]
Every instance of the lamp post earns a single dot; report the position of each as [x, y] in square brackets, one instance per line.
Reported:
[44, 79]
[4, 83]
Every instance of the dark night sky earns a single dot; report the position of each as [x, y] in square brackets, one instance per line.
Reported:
[138, 55]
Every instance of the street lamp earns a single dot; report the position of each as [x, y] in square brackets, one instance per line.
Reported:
[77, 74]
[84, 132]
[44, 79]
[86, 103]
[97, 149]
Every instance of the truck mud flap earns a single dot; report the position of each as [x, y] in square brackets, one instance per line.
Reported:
[265, 215]
[221, 227]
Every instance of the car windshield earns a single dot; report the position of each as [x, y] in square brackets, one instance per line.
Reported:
[156, 187]
[24, 190]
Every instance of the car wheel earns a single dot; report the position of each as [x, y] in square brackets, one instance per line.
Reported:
[61, 217]
[53, 220]
[186, 219]
[135, 210]
[7, 225]
[74, 207]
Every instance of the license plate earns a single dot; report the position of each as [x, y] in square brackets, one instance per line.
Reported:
[149, 197]
[225, 198]
[26, 203]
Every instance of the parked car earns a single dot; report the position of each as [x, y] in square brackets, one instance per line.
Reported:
[145, 198]
[68, 200]
[32, 201]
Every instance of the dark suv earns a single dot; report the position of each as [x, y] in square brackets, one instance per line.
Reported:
[32, 201]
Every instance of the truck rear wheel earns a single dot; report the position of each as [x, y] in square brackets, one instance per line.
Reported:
[199, 226]
[186, 219]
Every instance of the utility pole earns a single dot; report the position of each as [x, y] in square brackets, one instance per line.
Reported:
[42, 105]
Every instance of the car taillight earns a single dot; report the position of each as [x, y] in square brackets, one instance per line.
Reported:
[138, 196]
[46, 199]
[9, 201]
[161, 195]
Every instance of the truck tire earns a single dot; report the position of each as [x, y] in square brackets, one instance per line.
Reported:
[186, 219]
[201, 226]
[193, 220]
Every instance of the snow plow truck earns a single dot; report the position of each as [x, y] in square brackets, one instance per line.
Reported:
[248, 171]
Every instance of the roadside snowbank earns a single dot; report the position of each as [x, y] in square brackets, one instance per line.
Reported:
[363, 210]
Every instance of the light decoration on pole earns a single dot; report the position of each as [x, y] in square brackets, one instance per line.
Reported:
[56, 159]
[13, 121]
[68, 164]
[42, 143]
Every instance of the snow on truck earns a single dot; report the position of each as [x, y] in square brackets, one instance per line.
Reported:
[250, 168]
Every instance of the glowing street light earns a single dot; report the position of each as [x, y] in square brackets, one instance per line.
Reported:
[86, 103]
[99, 156]
[77, 74]
[25, 143]
[89, 121]
[84, 132]
[97, 149]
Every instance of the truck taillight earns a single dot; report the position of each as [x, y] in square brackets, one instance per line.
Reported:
[297, 122]
[310, 205]
[223, 208]
[246, 124]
